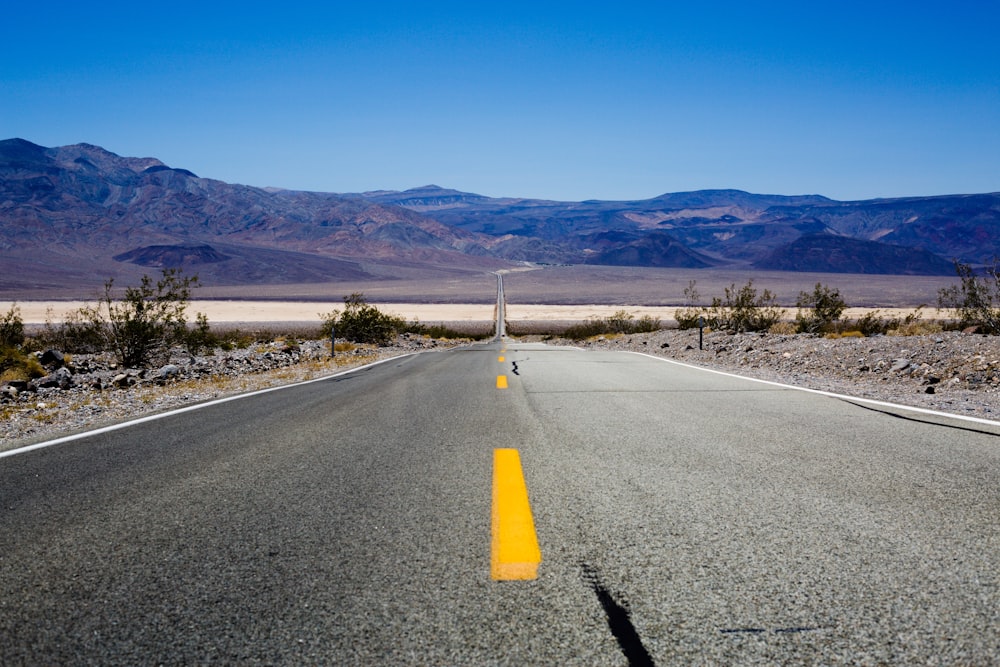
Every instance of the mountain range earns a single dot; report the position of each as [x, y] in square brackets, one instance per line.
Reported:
[72, 213]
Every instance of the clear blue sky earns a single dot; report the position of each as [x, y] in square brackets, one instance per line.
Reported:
[559, 100]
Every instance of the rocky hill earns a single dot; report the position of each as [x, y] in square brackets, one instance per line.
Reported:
[732, 228]
[76, 215]
[828, 253]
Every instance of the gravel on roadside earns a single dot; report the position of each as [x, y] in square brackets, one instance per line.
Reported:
[953, 372]
[90, 391]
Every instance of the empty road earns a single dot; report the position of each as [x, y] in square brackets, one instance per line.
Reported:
[683, 517]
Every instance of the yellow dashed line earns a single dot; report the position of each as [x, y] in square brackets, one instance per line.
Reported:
[500, 359]
[514, 553]
[501, 382]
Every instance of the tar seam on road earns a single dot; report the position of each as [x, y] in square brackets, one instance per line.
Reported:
[619, 621]
[760, 631]
[743, 631]
[921, 421]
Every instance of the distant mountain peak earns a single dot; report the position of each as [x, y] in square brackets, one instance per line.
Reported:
[437, 190]
[102, 158]
[20, 151]
[426, 199]
[18, 143]
[729, 197]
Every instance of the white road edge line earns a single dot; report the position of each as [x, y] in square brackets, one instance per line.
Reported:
[189, 408]
[856, 399]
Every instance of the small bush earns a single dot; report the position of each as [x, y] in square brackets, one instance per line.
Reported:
[691, 314]
[16, 364]
[137, 328]
[819, 310]
[620, 322]
[200, 336]
[12, 328]
[361, 322]
[646, 324]
[148, 318]
[73, 334]
[873, 323]
[913, 325]
[441, 331]
[588, 329]
[240, 339]
[744, 309]
[973, 299]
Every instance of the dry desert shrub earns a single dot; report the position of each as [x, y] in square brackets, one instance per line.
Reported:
[361, 322]
[15, 363]
[974, 300]
[621, 322]
[744, 309]
[819, 310]
[783, 328]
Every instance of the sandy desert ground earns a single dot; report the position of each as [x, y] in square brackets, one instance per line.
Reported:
[237, 312]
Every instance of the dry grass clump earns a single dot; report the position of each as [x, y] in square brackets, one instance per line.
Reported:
[19, 367]
[783, 327]
[916, 328]
[355, 360]
[834, 335]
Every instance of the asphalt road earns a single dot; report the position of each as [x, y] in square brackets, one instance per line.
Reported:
[683, 517]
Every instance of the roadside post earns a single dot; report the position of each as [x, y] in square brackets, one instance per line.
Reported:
[701, 332]
[333, 341]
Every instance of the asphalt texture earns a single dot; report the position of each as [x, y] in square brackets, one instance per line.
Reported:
[684, 518]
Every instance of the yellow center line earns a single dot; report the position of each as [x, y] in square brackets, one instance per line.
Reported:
[514, 552]
[501, 382]
[500, 359]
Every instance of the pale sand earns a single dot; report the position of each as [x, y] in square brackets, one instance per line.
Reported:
[37, 312]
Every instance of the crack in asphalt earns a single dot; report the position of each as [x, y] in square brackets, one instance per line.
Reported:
[619, 621]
